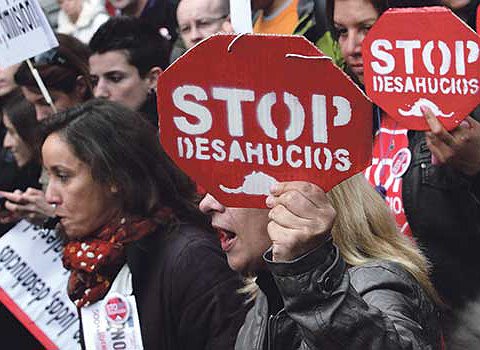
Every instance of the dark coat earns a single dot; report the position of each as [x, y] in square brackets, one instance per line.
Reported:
[443, 209]
[186, 293]
[314, 302]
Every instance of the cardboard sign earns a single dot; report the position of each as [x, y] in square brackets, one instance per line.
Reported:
[24, 31]
[33, 286]
[267, 109]
[431, 59]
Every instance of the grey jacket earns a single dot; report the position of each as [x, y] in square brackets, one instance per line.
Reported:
[314, 302]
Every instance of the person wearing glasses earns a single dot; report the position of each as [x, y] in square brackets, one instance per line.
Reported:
[198, 19]
[64, 71]
[127, 57]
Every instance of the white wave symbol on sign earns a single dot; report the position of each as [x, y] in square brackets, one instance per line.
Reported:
[255, 183]
[415, 111]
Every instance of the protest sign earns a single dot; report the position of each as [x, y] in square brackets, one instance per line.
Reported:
[33, 285]
[24, 31]
[267, 109]
[430, 59]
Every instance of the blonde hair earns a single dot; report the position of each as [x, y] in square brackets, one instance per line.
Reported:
[365, 230]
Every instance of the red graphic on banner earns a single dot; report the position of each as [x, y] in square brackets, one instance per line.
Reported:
[117, 308]
[416, 65]
[391, 159]
[266, 109]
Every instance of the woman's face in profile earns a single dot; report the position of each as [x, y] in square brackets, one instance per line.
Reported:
[82, 204]
[242, 232]
[12, 141]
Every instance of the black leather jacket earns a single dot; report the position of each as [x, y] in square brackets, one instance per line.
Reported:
[314, 302]
[443, 209]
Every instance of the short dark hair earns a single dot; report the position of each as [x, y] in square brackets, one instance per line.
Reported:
[21, 114]
[145, 47]
[69, 61]
[122, 150]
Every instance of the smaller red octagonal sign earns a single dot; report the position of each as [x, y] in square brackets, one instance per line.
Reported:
[240, 113]
[431, 59]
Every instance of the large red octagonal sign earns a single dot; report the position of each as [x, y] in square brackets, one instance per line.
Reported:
[239, 113]
[422, 56]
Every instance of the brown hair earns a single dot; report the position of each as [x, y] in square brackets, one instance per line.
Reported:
[122, 149]
[61, 68]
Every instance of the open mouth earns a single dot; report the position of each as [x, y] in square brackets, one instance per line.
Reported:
[227, 238]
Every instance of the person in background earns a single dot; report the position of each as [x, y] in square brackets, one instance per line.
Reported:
[127, 57]
[80, 18]
[22, 127]
[7, 161]
[159, 13]
[465, 9]
[64, 71]
[121, 199]
[439, 195]
[332, 271]
[198, 19]
[301, 17]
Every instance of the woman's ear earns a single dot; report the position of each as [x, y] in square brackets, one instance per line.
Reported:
[81, 88]
[152, 77]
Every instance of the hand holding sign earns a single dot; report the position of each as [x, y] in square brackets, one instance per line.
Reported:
[271, 108]
[301, 218]
[415, 66]
[459, 148]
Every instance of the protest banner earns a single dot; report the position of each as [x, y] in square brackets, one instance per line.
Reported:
[271, 108]
[33, 285]
[430, 59]
[24, 31]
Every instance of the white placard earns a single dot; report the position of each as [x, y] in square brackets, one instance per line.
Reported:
[241, 16]
[111, 325]
[24, 31]
[32, 276]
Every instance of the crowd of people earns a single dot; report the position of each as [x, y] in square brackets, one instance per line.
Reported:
[313, 270]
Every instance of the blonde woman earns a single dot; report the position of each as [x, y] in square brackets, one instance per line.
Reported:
[332, 271]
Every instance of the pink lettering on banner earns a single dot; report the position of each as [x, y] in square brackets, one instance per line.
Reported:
[390, 161]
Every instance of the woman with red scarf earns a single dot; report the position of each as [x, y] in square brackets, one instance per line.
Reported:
[132, 226]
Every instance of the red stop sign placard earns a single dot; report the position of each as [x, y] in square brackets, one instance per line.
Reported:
[238, 114]
[422, 56]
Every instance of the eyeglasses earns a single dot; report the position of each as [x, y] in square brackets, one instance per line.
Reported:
[50, 57]
[201, 24]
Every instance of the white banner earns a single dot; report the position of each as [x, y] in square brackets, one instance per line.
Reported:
[24, 31]
[33, 278]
